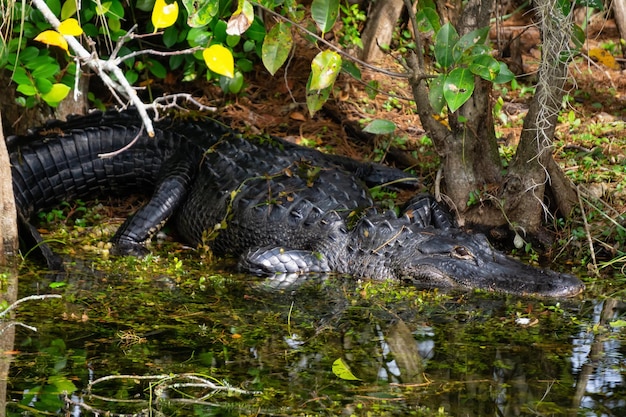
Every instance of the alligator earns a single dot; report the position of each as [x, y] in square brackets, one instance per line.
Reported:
[278, 207]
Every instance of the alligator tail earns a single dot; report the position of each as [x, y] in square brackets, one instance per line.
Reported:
[51, 165]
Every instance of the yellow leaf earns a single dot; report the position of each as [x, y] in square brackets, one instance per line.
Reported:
[603, 57]
[56, 94]
[220, 60]
[342, 370]
[70, 27]
[164, 15]
[54, 38]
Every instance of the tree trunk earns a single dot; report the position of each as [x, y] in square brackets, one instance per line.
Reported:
[8, 251]
[619, 14]
[8, 215]
[528, 176]
[468, 147]
[472, 162]
[381, 21]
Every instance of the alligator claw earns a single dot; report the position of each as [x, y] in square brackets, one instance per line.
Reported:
[129, 248]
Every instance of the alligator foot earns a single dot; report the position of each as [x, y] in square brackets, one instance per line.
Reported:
[276, 260]
[425, 211]
[123, 247]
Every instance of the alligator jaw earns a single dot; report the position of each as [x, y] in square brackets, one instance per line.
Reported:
[520, 280]
[459, 260]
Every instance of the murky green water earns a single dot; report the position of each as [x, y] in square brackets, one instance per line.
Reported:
[141, 341]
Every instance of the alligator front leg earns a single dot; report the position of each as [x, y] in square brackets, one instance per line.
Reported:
[276, 260]
[169, 195]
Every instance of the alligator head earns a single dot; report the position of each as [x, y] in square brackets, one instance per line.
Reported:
[453, 258]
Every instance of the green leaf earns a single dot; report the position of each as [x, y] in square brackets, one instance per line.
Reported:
[458, 87]
[325, 13]
[445, 40]
[40, 61]
[324, 69]
[350, 68]
[342, 370]
[21, 77]
[90, 30]
[144, 5]
[504, 75]
[276, 47]
[170, 36]
[578, 37]
[27, 90]
[485, 66]
[256, 31]
[43, 85]
[55, 6]
[116, 10]
[232, 40]
[219, 32]
[156, 68]
[29, 53]
[618, 323]
[131, 76]
[428, 20]
[56, 94]
[435, 94]
[200, 12]
[372, 89]
[68, 9]
[62, 384]
[245, 65]
[565, 6]
[467, 41]
[315, 99]
[232, 85]
[115, 25]
[198, 37]
[176, 61]
[380, 127]
[46, 71]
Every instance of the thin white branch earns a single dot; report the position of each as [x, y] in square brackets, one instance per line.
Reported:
[30, 297]
[101, 67]
[7, 325]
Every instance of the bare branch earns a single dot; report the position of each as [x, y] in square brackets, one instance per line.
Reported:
[100, 67]
[30, 297]
[170, 101]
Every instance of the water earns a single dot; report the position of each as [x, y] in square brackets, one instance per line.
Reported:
[166, 337]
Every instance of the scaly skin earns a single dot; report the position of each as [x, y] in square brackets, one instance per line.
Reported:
[278, 206]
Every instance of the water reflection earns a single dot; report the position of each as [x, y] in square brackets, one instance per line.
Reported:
[598, 361]
[413, 354]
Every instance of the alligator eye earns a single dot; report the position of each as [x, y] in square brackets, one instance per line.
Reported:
[461, 252]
